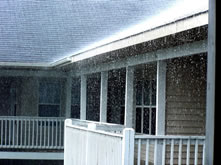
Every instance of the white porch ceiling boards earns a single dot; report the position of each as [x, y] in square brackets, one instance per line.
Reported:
[43, 32]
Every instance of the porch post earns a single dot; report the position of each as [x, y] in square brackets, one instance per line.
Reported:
[103, 96]
[83, 97]
[210, 95]
[160, 107]
[129, 96]
[68, 87]
[161, 97]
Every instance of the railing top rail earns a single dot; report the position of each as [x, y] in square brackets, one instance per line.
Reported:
[97, 123]
[31, 117]
[93, 130]
[169, 137]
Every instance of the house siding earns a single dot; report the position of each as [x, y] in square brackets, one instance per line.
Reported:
[186, 96]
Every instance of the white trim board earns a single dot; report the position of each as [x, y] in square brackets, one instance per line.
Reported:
[32, 155]
[162, 54]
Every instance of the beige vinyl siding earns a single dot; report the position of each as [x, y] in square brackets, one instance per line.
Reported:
[186, 96]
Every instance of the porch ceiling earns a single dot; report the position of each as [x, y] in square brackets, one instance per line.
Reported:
[44, 32]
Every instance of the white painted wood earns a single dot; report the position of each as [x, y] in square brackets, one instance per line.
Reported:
[188, 152]
[68, 88]
[196, 153]
[155, 151]
[30, 132]
[138, 152]
[84, 146]
[83, 97]
[32, 155]
[180, 152]
[188, 49]
[161, 98]
[128, 146]
[164, 152]
[129, 96]
[103, 96]
[171, 152]
[158, 32]
[211, 77]
[147, 152]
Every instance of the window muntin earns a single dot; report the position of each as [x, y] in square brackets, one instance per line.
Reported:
[145, 84]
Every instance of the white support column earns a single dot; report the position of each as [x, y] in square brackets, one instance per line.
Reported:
[211, 76]
[128, 146]
[129, 96]
[161, 97]
[68, 87]
[83, 97]
[103, 96]
[160, 107]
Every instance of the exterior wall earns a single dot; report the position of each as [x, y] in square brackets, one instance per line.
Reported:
[4, 96]
[28, 97]
[186, 96]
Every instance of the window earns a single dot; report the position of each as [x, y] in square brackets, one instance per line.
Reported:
[49, 98]
[75, 98]
[145, 99]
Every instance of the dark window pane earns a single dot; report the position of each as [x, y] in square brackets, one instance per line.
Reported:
[139, 93]
[146, 116]
[75, 92]
[153, 92]
[146, 92]
[153, 122]
[122, 116]
[138, 120]
[75, 111]
[49, 110]
[49, 92]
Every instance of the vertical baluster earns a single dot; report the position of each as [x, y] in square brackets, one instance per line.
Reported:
[13, 133]
[33, 132]
[155, 151]
[138, 151]
[29, 133]
[48, 133]
[204, 153]
[17, 133]
[56, 135]
[52, 133]
[188, 152]
[196, 152]
[180, 152]
[163, 151]
[37, 129]
[60, 139]
[147, 152]
[6, 132]
[171, 152]
[25, 133]
[40, 133]
[9, 136]
[21, 132]
[45, 126]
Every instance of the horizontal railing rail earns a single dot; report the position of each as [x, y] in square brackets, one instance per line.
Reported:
[172, 150]
[108, 127]
[24, 132]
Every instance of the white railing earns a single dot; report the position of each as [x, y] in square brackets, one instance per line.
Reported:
[92, 145]
[21, 132]
[161, 150]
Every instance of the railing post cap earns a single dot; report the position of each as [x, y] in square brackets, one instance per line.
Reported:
[68, 121]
